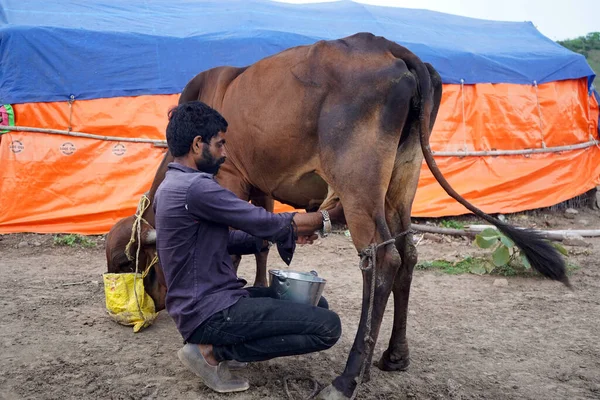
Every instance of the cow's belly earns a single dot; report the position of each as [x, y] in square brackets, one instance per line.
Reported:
[307, 191]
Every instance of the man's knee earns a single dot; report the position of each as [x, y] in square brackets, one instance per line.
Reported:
[332, 330]
[323, 303]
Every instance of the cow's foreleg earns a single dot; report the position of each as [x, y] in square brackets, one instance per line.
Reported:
[267, 202]
[259, 200]
[261, 269]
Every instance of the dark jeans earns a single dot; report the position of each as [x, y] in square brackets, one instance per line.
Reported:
[259, 328]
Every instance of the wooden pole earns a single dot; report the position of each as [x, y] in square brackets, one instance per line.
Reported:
[157, 143]
[162, 143]
[472, 230]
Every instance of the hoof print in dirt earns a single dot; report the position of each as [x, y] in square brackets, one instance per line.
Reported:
[330, 393]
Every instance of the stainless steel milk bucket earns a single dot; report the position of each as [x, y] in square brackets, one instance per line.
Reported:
[300, 287]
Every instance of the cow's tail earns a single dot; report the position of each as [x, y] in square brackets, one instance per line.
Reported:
[542, 256]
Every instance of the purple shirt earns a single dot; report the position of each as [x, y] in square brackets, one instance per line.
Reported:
[193, 240]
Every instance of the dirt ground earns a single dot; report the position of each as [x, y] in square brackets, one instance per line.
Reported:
[470, 339]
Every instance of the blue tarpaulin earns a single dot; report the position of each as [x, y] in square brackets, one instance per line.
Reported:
[50, 50]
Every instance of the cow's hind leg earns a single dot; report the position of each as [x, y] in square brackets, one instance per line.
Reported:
[378, 271]
[398, 207]
[396, 357]
[364, 208]
[358, 157]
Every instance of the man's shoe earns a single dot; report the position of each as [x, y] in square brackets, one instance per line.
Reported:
[217, 378]
[234, 365]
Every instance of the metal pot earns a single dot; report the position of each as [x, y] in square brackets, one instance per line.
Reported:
[300, 287]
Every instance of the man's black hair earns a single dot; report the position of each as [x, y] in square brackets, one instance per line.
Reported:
[188, 120]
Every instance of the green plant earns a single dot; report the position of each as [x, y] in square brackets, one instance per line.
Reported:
[481, 266]
[73, 240]
[436, 264]
[467, 265]
[451, 224]
[506, 257]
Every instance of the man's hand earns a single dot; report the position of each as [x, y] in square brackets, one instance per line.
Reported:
[307, 239]
[308, 223]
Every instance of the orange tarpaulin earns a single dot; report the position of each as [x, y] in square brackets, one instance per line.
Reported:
[55, 183]
[509, 117]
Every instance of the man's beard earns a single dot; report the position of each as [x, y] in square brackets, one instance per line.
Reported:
[208, 163]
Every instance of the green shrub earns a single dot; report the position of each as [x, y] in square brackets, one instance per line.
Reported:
[73, 240]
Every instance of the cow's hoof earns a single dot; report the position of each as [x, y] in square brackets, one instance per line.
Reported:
[330, 393]
[386, 364]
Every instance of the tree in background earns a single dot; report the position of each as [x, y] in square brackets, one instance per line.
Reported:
[589, 46]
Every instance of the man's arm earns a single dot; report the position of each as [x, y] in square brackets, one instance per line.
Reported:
[241, 243]
[208, 200]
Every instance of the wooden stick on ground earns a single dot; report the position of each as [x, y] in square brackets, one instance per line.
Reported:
[472, 230]
[75, 283]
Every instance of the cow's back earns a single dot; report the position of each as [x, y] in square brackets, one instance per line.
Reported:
[276, 107]
[210, 86]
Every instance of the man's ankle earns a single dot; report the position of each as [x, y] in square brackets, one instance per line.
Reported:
[207, 352]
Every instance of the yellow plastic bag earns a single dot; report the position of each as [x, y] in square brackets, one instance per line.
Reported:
[120, 291]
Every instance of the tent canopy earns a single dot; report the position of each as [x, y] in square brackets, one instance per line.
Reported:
[102, 48]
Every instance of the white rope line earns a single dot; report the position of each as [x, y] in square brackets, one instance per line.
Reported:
[71, 101]
[157, 143]
[591, 132]
[590, 124]
[464, 120]
[539, 109]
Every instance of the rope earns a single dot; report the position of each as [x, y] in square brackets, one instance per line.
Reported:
[137, 261]
[154, 261]
[539, 108]
[143, 205]
[312, 395]
[464, 120]
[369, 257]
[591, 132]
[71, 100]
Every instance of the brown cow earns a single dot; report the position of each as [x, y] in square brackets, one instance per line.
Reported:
[118, 262]
[348, 119]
